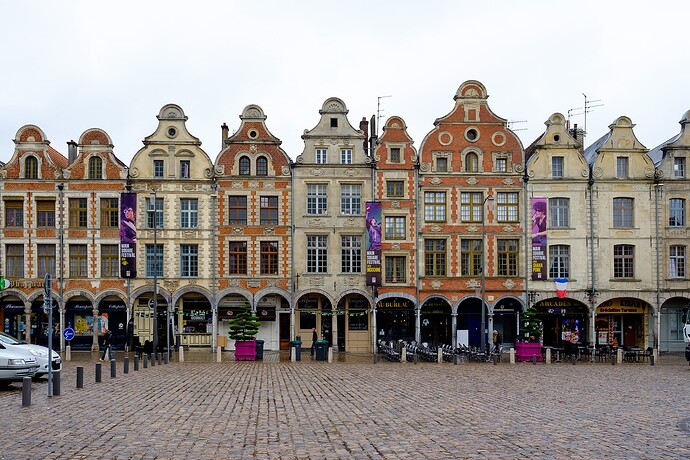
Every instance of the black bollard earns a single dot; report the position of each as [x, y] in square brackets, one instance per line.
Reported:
[167, 358]
[574, 359]
[113, 368]
[613, 359]
[98, 372]
[26, 391]
[136, 362]
[416, 358]
[375, 358]
[651, 359]
[125, 368]
[455, 360]
[534, 359]
[158, 359]
[80, 376]
[146, 361]
[153, 359]
[56, 383]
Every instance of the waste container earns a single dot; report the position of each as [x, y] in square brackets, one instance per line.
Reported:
[687, 352]
[259, 350]
[321, 350]
[297, 345]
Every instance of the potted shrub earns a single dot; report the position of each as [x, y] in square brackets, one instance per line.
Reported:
[243, 329]
[529, 343]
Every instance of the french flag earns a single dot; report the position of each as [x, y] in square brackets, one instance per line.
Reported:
[561, 287]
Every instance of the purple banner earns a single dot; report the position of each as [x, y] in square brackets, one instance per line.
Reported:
[539, 238]
[128, 235]
[373, 243]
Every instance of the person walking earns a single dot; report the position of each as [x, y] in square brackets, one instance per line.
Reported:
[107, 337]
[314, 338]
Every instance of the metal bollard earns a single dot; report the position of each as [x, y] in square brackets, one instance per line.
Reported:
[455, 360]
[136, 362]
[180, 354]
[375, 358]
[158, 359]
[56, 383]
[494, 359]
[167, 358]
[416, 358]
[80, 376]
[113, 368]
[651, 359]
[146, 361]
[219, 355]
[534, 359]
[98, 372]
[153, 359]
[574, 359]
[125, 368]
[68, 353]
[26, 391]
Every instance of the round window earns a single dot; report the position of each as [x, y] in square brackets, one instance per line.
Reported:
[253, 133]
[472, 134]
[172, 132]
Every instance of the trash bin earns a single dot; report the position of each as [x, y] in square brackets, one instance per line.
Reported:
[297, 345]
[259, 350]
[321, 350]
[687, 352]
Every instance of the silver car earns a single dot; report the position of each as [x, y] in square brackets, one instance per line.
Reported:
[15, 364]
[40, 353]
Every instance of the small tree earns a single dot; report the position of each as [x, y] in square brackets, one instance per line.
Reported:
[244, 326]
[531, 327]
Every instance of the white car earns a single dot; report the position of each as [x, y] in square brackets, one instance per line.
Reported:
[15, 364]
[39, 352]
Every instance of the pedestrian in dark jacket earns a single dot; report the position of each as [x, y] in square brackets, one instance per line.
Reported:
[107, 348]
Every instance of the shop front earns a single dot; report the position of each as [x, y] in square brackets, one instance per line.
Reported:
[469, 321]
[353, 319]
[395, 320]
[436, 322]
[79, 315]
[505, 321]
[308, 317]
[622, 322]
[564, 322]
[113, 313]
[268, 330]
[13, 318]
[196, 329]
[228, 307]
[40, 327]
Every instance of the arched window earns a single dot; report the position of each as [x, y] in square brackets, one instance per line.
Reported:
[31, 168]
[471, 162]
[261, 166]
[95, 168]
[245, 166]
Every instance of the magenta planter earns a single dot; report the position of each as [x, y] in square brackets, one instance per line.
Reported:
[245, 350]
[525, 351]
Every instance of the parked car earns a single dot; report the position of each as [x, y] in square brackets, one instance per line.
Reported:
[38, 351]
[15, 364]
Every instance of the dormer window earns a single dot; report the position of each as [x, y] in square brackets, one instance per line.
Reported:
[31, 168]
[185, 172]
[334, 122]
[95, 168]
[261, 166]
[245, 166]
[157, 168]
[471, 162]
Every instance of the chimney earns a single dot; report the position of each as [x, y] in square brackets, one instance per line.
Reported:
[71, 152]
[364, 127]
[224, 134]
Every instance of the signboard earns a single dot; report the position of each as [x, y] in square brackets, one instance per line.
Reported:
[128, 235]
[68, 333]
[539, 239]
[373, 242]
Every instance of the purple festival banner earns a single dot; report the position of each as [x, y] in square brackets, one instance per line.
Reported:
[128, 235]
[373, 242]
[539, 238]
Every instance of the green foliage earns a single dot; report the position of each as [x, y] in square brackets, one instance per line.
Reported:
[245, 325]
[531, 327]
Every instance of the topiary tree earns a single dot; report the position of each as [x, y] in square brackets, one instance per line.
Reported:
[531, 327]
[244, 326]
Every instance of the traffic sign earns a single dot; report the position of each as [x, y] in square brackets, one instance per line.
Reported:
[151, 304]
[68, 333]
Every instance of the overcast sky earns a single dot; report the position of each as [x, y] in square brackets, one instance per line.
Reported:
[73, 65]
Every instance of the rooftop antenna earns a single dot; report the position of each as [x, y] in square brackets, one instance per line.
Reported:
[515, 122]
[378, 114]
[588, 107]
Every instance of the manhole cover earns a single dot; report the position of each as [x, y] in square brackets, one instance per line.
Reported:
[684, 424]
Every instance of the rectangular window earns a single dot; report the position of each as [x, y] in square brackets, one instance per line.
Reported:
[45, 213]
[435, 257]
[556, 166]
[189, 260]
[351, 199]
[334, 122]
[110, 213]
[46, 260]
[14, 261]
[110, 261]
[157, 168]
[622, 167]
[154, 213]
[624, 261]
[14, 213]
[237, 210]
[395, 269]
[154, 265]
[559, 261]
[679, 167]
[676, 212]
[185, 169]
[507, 207]
[501, 165]
[677, 261]
[471, 204]
[189, 213]
[395, 227]
[237, 258]
[317, 199]
[345, 156]
[395, 155]
[77, 261]
[351, 254]
[317, 254]
[269, 257]
[435, 206]
[623, 212]
[441, 164]
[559, 212]
[321, 156]
[471, 256]
[269, 210]
[77, 213]
[395, 188]
[507, 252]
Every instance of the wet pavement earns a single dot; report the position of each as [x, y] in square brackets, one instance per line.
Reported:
[352, 408]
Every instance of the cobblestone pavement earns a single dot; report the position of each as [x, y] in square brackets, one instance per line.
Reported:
[353, 408]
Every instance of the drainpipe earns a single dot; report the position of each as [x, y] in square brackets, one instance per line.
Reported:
[374, 290]
[61, 303]
[590, 186]
[417, 334]
[528, 240]
[657, 190]
[292, 251]
[214, 264]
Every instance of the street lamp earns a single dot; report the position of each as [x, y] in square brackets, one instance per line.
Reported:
[155, 271]
[490, 199]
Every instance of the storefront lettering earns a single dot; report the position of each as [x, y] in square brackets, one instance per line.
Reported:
[395, 304]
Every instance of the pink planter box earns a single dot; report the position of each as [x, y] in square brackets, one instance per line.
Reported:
[525, 351]
[245, 351]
